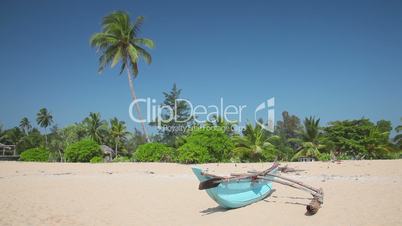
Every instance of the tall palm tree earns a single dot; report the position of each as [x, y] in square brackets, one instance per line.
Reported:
[44, 120]
[25, 125]
[95, 127]
[118, 132]
[119, 42]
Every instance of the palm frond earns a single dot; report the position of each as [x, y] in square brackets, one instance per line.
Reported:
[116, 58]
[137, 25]
[144, 54]
[145, 42]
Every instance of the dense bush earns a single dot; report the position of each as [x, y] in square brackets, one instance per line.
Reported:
[96, 159]
[121, 159]
[218, 145]
[324, 157]
[154, 152]
[82, 151]
[35, 155]
[193, 153]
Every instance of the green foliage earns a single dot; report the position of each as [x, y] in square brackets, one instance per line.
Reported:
[190, 153]
[398, 138]
[289, 128]
[121, 159]
[96, 159]
[44, 120]
[308, 149]
[220, 123]
[173, 124]
[96, 127]
[119, 42]
[118, 135]
[25, 125]
[134, 140]
[359, 139]
[82, 151]
[35, 155]
[256, 144]
[311, 131]
[324, 157]
[216, 142]
[154, 152]
[344, 156]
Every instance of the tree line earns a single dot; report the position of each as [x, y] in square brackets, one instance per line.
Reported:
[214, 141]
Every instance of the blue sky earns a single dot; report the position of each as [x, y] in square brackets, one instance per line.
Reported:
[331, 59]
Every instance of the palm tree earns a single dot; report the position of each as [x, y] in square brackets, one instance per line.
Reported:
[311, 130]
[95, 127]
[309, 146]
[25, 125]
[308, 149]
[255, 144]
[119, 42]
[44, 120]
[118, 132]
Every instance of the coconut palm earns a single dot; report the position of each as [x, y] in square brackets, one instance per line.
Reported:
[118, 132]
[25, 125]
[95, 127]
[255, 144]
[311, 130]
[44, 120]
[309, 143]
[119, 42]
[308, 149]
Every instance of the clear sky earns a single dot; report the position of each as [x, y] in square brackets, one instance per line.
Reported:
[331, 59]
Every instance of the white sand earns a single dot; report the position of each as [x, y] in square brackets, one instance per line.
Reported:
[356, 193]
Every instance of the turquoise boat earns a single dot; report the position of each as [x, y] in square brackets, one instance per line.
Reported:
[238, 193]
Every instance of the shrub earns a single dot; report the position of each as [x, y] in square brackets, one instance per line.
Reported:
[82, 151]
[193, 153]
[35, 155]
[218, 145]
[96, 159]
[344, 157]
[122, 159]
[324, 157]
[154, 152]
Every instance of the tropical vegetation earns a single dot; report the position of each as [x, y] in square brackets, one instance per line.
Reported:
[95, 139]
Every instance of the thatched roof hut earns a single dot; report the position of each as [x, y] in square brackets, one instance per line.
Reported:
[108, 152]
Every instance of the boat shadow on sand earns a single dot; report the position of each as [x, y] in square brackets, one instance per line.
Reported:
[273, 199]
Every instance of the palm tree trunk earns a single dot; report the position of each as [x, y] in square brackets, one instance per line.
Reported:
[61, 157]
[137, 106]
[45, 138]
[115, 149]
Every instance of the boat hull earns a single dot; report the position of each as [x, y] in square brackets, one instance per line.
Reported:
[235, 194]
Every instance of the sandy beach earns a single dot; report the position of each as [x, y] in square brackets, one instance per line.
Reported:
[356, 193]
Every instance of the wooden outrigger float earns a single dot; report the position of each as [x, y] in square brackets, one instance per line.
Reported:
[238, 190]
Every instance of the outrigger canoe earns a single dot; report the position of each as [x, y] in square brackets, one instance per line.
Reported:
[238, 190]
[235, 194]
